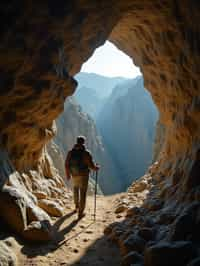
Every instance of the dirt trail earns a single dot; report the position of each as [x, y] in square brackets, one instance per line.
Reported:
[78, 242]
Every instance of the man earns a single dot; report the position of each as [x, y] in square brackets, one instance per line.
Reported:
[78, 164]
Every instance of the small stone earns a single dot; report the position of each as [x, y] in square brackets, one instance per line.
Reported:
[120, 208]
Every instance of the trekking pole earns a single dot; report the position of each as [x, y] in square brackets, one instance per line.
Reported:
[95, 195]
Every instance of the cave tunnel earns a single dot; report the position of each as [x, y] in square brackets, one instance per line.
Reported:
[43, 45]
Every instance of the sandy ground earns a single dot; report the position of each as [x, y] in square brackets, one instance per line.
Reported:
[77, 242]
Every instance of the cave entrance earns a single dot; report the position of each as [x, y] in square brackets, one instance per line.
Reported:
[115, 113]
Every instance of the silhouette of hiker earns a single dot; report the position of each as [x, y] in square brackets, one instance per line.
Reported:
[78, 164]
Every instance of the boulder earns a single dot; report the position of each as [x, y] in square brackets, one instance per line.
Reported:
[120, 208]
[18, 211]
[52, 208]
[165, 253]
[7, 256]
[139, 186]
[13, 209]
[132, 243]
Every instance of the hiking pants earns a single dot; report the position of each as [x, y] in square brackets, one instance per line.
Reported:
[80, 185]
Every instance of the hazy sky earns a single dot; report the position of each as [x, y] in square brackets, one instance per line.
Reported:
[108, 60]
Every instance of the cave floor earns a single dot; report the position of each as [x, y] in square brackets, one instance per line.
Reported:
[78, 242]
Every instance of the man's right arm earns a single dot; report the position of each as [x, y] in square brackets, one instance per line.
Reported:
[91, 163]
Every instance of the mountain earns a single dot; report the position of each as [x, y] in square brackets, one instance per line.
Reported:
[101, 84]
[74, 122]
[127, 125]
[90, 101]
[93, 91]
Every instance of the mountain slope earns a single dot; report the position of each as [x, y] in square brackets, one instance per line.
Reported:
[93, 91]
[127, 125]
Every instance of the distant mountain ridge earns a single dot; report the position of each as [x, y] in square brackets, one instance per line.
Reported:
[101, 84]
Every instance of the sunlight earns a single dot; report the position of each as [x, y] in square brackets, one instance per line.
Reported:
[108, 60]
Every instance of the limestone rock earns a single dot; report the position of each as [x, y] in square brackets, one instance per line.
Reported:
[12, 200]
[40, 195]
[7, 256]
[51, 207]
[120, 208]
[19, 212]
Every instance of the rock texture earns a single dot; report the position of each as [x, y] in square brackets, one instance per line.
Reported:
[43, 44]
[7, 255]
[127, 125]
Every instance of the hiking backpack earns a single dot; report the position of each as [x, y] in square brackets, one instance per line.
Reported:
[76, 162]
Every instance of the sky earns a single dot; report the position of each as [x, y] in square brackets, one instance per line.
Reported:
[108, 60]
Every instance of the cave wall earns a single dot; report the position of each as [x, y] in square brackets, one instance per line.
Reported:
[163, 39]
[43, 44]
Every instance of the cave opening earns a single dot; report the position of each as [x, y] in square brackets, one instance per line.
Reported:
[115, 113]
[42, 47]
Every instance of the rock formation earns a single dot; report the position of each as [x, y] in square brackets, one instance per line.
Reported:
[127, 125]
[43, 45]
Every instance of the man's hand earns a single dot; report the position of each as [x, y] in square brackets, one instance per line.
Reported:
[97, 167]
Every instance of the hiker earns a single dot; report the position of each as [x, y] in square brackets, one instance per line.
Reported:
[78, 164]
